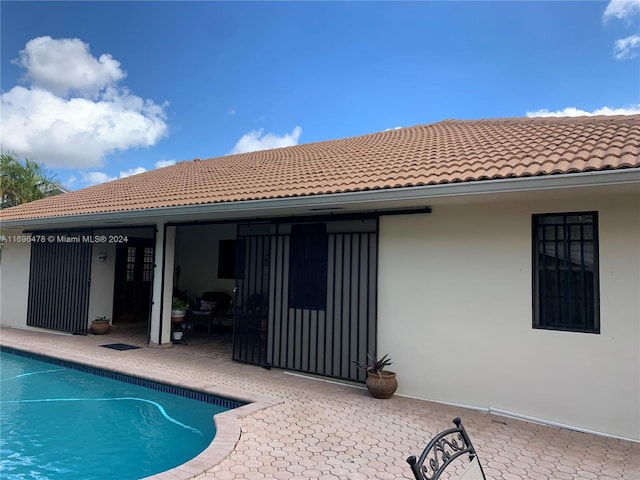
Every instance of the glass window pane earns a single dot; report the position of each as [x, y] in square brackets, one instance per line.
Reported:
[589, 256]
[587, 232]
[550, 219]
[565, 292]
[581, 218]
[130, 272]
[575, 232]
[547, 256]
[576, 254]
[550, 233]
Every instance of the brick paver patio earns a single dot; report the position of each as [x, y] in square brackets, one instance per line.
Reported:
[302, 428]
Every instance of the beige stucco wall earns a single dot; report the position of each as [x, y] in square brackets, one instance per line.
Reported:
[197, 257]
[455, 314]
[102, 281]
[14, 282]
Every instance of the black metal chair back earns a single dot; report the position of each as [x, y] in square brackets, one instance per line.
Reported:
[221, 299]
[441, 451]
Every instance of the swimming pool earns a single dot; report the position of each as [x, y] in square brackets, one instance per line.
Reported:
[58, 422]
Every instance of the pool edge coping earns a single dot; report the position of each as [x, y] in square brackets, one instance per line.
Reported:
[227, 423]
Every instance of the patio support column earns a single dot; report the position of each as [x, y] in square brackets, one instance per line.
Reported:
[160, 333]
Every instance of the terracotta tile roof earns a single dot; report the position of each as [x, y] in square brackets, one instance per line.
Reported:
[439, 153]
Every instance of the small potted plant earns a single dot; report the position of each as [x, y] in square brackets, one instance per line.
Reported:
[179, 309]
[381, 383]
[100, 325]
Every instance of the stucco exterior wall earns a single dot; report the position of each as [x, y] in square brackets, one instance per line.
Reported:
[102, 281]
[14, 283]
[197, 257]
[455, 315]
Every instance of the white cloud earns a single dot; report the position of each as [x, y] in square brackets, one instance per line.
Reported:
[94, 178]
[627, 48]
[624, 48]
[132, 171]
[575, 112]
[255, 140]
[164, 163]
[621, 9]
[42, 122]
[66, 65]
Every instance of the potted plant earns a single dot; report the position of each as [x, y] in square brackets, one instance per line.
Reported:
[179, 309]
[100, 325]
[381, 383]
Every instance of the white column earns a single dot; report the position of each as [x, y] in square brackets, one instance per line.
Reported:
[162, 290]
[167, 294]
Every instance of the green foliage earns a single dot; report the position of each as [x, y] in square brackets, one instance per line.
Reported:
[373, 364]
[22, 182]
[101, 319]
[179, 304]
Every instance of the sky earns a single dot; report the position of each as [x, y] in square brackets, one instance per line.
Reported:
[96, 91]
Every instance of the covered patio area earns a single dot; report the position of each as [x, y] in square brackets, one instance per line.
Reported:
[302, 427]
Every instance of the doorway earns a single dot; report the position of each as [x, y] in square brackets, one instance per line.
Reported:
[133, 280]
[306, 296]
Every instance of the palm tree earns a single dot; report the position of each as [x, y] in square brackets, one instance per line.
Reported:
[22, 182]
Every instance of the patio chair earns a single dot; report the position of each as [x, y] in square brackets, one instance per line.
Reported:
[442, 450]
[211, 305]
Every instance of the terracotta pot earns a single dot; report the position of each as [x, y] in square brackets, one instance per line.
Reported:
[177, 316]
[382, 385]
[100, 328]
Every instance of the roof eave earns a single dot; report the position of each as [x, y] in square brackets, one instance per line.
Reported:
[270, 207]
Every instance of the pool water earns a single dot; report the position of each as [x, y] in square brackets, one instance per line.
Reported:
[62, 423]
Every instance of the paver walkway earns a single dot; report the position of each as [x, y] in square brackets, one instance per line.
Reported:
[310, 428]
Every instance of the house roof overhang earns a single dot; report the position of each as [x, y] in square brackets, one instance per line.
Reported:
[449, 161]
[383, 201]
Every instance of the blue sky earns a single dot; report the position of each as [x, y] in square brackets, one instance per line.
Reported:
[100, 90]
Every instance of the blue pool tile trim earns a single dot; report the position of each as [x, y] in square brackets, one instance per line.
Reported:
[162, 387]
